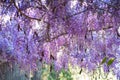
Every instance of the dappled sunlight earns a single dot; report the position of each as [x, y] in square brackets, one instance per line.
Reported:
[59, 40]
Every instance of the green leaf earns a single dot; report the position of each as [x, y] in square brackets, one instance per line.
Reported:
[53, 74]
[110, 61]
[104, 60]
[66, 74]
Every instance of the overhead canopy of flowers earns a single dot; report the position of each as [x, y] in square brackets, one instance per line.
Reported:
[79, 32]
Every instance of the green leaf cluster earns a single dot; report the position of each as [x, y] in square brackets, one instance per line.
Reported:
[65, 75]
[109, 62]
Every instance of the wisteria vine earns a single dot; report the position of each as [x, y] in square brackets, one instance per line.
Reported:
[77, 32]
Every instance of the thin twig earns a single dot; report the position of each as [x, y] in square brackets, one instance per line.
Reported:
[25, 14]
